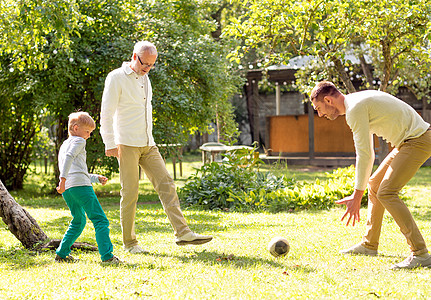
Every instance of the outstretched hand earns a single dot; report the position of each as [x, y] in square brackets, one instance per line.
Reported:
[353, 204]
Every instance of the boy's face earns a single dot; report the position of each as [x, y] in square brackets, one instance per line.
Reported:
[82, 131]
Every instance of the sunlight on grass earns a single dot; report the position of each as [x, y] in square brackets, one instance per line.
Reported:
[235, 265]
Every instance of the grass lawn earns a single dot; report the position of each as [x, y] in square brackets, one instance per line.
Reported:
[235, 265]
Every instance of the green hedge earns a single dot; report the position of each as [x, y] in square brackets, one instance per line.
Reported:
[236, 184]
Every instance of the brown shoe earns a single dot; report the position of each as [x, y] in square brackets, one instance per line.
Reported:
[113, 260]
[67, 259]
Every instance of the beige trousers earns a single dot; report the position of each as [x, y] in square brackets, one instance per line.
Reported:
[384, 186]
[149, 158]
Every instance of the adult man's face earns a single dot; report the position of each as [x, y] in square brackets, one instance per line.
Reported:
[326, 108]
[143, 62]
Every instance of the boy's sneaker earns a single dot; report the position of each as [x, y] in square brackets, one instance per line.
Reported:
[359, 249]
[135, 249]
[67, 259]
[192, 238]
[113, 260]
[413, 261]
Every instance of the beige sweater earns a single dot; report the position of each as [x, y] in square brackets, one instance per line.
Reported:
[374, 112]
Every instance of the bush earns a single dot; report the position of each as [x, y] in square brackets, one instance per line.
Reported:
[236, 184]
[216, 185]
[317, 195]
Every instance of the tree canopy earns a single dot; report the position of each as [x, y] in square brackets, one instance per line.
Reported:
[390, 32]
[62, 51]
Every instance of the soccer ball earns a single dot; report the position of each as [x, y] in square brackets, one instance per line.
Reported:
[278, 246]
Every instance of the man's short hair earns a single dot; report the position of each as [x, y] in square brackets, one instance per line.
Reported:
[322, 89]
[80, 118]
[145, 46]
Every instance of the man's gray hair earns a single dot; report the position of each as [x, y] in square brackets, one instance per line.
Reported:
[145, 46]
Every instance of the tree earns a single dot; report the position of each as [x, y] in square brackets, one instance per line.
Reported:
[395, 31]
[280, 30]
[192, 84]
[19, 126]
[26, 28]
[391, 31]
[20, 223]
[192, 81]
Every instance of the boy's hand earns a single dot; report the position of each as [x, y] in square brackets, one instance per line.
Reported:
[61, 185]
[103, 179]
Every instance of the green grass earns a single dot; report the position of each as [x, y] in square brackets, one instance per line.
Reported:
[235, 265]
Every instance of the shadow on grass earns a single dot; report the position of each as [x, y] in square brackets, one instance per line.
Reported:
[421, 213]
[26, 259]
[20, 258]
[220, 258]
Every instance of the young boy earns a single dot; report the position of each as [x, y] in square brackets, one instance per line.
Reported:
[76, 189]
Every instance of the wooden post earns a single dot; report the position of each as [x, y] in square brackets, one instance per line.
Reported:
[277, 98]
[310, 130]
[174, 162]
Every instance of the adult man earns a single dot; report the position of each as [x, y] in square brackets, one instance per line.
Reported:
[375, 112]
[126, 129]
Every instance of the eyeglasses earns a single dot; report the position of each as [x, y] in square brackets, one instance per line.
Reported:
[151, 66]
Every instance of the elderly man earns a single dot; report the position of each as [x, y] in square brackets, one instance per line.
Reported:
[375, 112]
[126, 129]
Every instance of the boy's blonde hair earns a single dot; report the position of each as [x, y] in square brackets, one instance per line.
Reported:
[80, 118]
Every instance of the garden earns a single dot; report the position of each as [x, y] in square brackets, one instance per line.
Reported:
[236, 264]
[54, 59]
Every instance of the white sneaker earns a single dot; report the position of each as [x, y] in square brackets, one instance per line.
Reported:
[359, 249]
[413, 261]
[192, 238]
[135, 249]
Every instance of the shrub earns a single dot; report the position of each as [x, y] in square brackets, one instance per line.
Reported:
[236, 184]
[215, 185]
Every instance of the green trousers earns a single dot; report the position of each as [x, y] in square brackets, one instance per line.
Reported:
[82, 200]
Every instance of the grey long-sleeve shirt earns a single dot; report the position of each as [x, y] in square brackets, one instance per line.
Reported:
[72, 163]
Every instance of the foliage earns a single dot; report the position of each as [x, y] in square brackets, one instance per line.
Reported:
[20, 124]
[390, 33]
[235, 185]
[66, 72]
[214, 184]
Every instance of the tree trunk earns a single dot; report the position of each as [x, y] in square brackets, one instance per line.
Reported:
[387, 68]
[343, 75]
[25, 227]
[366, 70]
[19, 221]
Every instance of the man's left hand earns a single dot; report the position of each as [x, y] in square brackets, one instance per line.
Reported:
[353, 204]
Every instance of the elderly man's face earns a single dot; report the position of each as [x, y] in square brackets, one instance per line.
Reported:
[142, 63]
[326, 109]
